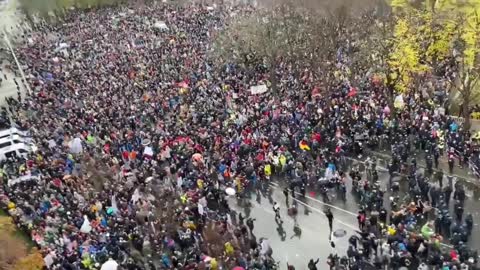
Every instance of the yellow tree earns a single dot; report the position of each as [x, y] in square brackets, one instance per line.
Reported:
[428, 34]
[404, 59]
[399, 50]
[463, 25]
[16, 249]
[33, 261]
[467, 64]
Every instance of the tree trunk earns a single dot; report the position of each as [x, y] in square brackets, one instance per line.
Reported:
[466, 116]
[391, 96]
[273, 79]
[272, 75]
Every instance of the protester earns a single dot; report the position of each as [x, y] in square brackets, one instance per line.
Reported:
[329, 215]
[142, 137]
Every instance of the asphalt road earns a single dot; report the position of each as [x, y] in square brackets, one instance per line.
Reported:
[9, 24]
[313, 242]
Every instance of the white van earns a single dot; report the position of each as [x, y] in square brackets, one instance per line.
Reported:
[14, 142]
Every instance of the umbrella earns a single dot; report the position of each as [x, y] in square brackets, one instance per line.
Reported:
[230, 191]
[340, 233]
[109, 265]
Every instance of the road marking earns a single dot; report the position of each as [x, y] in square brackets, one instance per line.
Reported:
[9, 45]
[323, 214]
[318, 201]
[335, 220]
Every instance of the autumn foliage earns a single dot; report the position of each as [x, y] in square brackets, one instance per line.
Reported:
[14, 255]
[34, 261]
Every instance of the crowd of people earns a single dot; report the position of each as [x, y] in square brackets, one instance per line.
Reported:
[139, 134]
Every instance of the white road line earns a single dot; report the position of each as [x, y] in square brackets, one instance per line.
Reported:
[289, 220]
[320, 202]
[9, 45]
[323, 214]
[335, 220]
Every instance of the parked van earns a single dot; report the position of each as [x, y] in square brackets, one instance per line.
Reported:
[15, 143]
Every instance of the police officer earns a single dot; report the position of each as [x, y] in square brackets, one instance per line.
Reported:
[429, 163]
[447, 192]
[469, 224]
[285, 192]
[458, 209]
[439, 176]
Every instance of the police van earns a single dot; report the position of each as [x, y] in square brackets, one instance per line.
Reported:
[15, 143]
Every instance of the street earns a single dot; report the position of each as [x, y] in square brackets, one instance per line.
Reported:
[10, 18]
[313, 242]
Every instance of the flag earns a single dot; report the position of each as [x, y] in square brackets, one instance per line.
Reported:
[304, 145]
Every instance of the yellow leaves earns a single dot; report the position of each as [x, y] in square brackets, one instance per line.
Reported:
[440, 43]
[401, 87]
[467, 11]
[16, 257]
[445, 4]
[34, 261]
[404, 60]
[470, 36]
[400, 3]
[7, 225]
[401, 28]
[16, 250]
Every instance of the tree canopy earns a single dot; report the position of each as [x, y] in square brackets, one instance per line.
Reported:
[408, 45]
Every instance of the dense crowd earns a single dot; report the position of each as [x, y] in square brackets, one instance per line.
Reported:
[139, 134]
